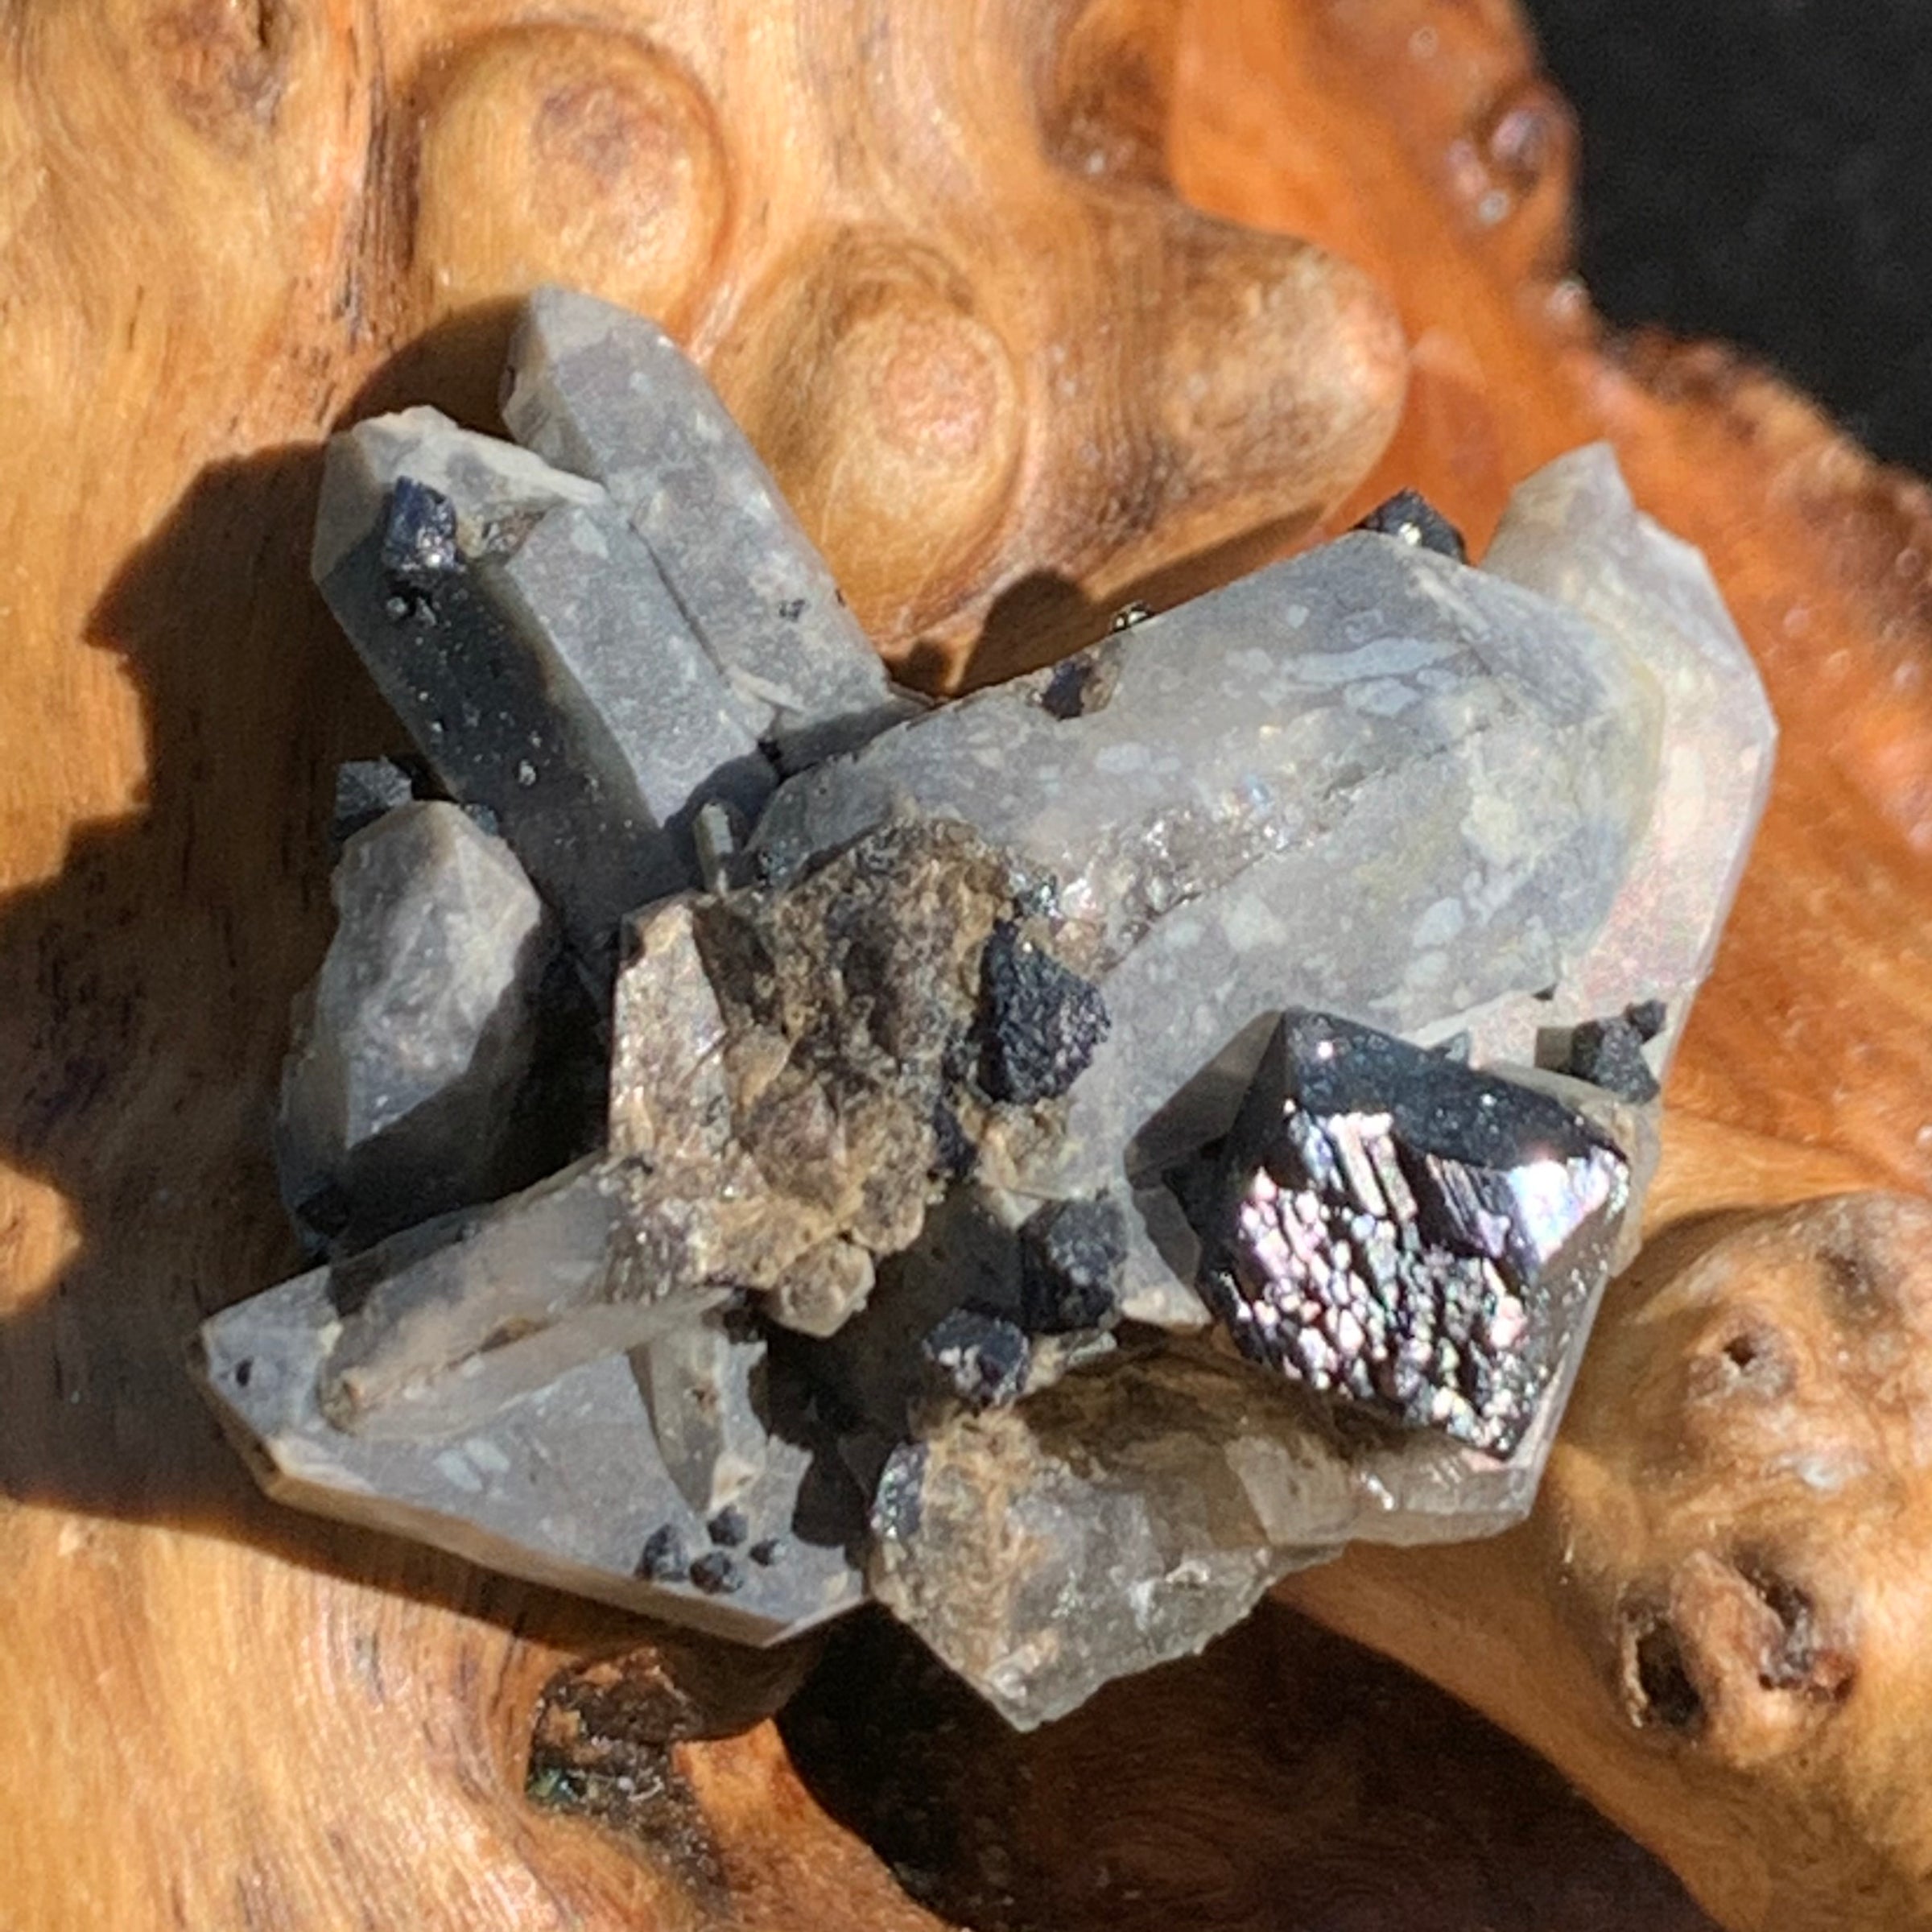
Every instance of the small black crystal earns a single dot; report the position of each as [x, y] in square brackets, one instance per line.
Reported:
[1647, 1017]
[1038, 1023]
[1610, 1053]
[1080, 685]
[665, 1558]
[727, 1527]
[1411, 517]
[896, 1498]
[325, 1213]
[366, 788]
[955, 1154]
[718, 1574]
[419, 536]
[981, 1358]
[1409, 1233]
[768, 1551]
[1072, 1256]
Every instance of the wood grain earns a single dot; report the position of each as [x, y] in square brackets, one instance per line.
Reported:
[1034, 307]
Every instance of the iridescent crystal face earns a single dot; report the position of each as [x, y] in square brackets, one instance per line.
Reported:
[1408, 1234]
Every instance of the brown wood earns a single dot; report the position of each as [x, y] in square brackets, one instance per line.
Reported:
[938, 258]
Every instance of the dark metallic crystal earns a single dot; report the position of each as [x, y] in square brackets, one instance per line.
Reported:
[1039, 1022]
[419, 538]
[1072, 1256]
[1410, 517]
[1410, 1234]
[727, 1527]
[897, 1498]
[716, 1574]
[1610, 1053]
[980, 1359]
[665, 1556]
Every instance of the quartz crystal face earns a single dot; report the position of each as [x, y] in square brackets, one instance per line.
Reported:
[400, 1096]
[1409, 1235]
[771, 1140]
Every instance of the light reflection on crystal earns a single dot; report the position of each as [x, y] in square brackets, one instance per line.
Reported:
[1404, 1231]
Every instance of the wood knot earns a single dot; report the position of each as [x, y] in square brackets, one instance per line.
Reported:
[1730, 1654]
[890, 408]
[1110, 103]
[1277, 359]
[568, 154]
[223, 66]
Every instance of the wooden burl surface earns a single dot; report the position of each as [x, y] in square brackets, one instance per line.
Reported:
[1034, 305]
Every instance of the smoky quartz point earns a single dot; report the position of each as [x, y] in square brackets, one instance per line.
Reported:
[524, 635]
[398, 1100]
[1000, 1160]
[608, 394]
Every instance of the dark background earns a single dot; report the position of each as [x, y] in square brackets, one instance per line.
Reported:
[1761, 171]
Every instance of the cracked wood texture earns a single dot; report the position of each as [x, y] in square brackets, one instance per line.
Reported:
[1036, 306]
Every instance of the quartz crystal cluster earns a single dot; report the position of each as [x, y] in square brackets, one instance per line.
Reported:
[1053, 1162]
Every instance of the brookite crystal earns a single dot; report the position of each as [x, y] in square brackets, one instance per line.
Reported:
[768, 1140]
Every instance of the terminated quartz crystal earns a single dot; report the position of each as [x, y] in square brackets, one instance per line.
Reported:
[524, 635]
[702, 1380]
[606, 394]
[1441, 776]
[1571, 534]
[1403, 1233]
[564, 1485]
[968, 1222]
[439, 1326]
[398, 1099]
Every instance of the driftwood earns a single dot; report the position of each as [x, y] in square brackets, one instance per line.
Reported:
[950, 264]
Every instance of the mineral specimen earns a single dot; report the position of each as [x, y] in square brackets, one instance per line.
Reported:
[1027, 1187]
[397, 1101]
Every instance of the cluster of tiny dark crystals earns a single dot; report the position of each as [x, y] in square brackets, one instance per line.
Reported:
[666, 1558]
[1371, 1245]
[1039, 1022]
